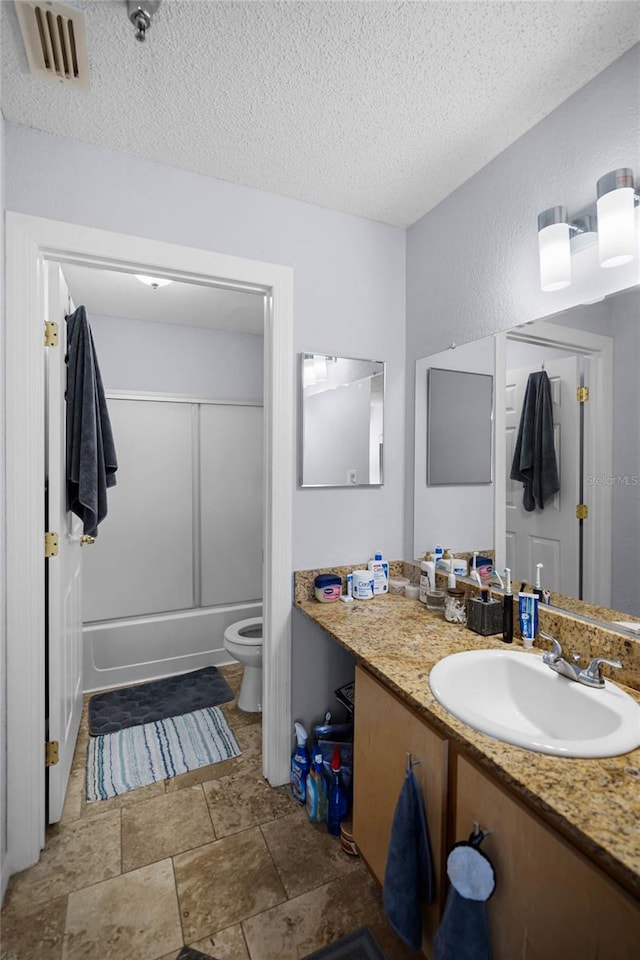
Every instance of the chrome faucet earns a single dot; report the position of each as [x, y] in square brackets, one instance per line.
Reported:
[589, 676]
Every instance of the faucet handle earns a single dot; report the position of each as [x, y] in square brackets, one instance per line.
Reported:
[556, 650]
[592, 675]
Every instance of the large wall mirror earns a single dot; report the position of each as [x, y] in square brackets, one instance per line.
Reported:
[590, 561]
[341, 421]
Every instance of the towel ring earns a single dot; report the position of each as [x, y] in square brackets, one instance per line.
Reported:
[477, 835]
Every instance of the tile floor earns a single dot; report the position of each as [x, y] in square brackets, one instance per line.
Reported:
[215, 859]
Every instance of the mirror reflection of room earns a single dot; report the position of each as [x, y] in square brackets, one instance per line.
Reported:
[595, 559]
[342, 421]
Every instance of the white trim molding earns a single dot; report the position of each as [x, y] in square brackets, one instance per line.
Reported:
[29, 242]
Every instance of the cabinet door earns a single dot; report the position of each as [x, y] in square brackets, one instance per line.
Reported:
[385, 729]
[550, 903]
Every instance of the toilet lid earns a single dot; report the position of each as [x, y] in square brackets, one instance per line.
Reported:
[246, 631]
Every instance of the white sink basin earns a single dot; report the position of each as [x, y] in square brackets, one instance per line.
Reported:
[517, 698]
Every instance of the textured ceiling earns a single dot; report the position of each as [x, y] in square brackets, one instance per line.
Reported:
[380, 109]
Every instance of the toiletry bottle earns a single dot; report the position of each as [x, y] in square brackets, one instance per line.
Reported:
[380, 570]
[427, 579]
[507, 610]
[316, 791]
[338, 805]
[299, 764]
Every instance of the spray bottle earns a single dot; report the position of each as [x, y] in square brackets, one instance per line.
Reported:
[316, 799]
[338, 807]
[300, 764]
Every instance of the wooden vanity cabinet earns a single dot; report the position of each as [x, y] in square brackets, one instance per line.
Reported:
[550, 902]
[385, 730]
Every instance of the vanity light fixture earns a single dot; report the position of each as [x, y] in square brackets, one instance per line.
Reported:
[554, 248]
[612, 222]
[616, 217]
[154, 282]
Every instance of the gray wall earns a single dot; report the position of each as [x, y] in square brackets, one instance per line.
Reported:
[319, 666]
[177, 359]
[472, 261]
[348, 290]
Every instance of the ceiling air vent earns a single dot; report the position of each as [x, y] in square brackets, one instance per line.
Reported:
[55, 41]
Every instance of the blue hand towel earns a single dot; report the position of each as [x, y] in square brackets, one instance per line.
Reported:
[408, 877]
[91, 454]
[464, 931]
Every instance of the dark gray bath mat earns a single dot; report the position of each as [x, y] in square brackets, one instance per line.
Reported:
[358, 945]
[158, 700]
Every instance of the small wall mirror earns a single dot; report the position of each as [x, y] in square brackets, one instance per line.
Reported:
[459, 426]
[342, 421]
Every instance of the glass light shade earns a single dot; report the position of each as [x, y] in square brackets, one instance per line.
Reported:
[152, 281]
[320, 367]
[555, 257]
[616, 227]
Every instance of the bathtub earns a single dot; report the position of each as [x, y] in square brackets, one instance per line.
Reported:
[121, 652]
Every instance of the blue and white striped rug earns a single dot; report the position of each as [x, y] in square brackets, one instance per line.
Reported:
[135, 757]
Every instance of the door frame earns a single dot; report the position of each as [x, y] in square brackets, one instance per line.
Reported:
[598, 451]
[29, 242]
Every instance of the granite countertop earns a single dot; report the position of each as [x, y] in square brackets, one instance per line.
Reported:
[593, 803]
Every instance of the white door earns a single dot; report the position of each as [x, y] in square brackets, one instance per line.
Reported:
[549, 536]
[64, 610]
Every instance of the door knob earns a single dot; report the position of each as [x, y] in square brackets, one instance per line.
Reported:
[88, 540]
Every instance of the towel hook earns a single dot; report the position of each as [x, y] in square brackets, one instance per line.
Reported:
[477, 834]
[410, 762]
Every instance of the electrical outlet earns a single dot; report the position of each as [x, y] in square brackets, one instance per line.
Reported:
[352, 477]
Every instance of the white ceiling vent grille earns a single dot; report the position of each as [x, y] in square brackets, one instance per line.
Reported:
[55, 41]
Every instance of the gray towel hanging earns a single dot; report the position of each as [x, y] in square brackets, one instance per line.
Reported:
[534, 457]
[91, 454]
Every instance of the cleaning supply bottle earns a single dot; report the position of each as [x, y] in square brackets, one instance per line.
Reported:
[316, 799]
[338, 805]
[300, 764]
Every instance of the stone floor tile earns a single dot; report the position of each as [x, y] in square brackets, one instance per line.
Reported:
[75, 796]
[130, 798]
[249, 739]
[305, 854]
[33, 932]
[306, 923]
[223, 882]
[225, 945]
[163, 826]
[134, 916]
[366, 898]
[245, 800]
[297, 927]
[75, 855]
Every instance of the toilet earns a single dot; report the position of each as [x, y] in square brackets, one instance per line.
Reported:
[243, 640]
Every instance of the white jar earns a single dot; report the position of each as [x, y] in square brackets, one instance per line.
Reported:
[362, 584]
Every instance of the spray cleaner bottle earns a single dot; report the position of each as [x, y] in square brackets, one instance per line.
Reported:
[316, 800]
[338, 807]
[300, 764]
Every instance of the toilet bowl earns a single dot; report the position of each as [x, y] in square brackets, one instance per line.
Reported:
[243, 640]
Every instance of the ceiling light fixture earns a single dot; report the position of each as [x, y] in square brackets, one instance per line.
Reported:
[154, 282]
[616, 217]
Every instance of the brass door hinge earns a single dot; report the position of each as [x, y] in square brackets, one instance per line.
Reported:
[50, 545]
[51, 333]
[582, 394]
[51, 753]
[582, 511]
